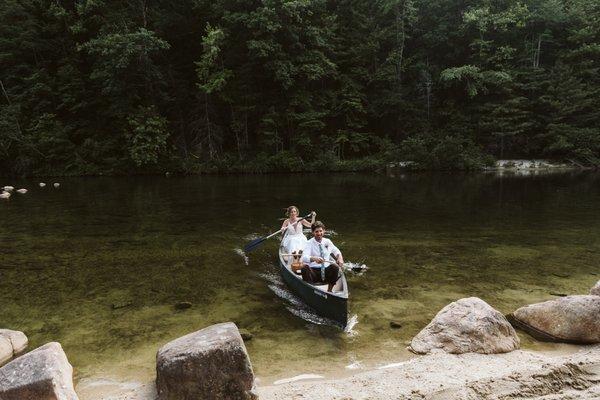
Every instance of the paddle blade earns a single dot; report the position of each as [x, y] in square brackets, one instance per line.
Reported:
[253, 244]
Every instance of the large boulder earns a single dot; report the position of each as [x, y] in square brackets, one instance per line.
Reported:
[11, 344]
[596, 289]
[468, 325]
[571, 319]
[42, 374]
[211, 363]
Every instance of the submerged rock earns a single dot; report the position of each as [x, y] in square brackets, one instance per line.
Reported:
[121, 304]
[246, 335]
[43, 374]
[182, 305]
[558, 294]
[571, 319]
[596, 289]
[467, 325]
[11, 344]
[395, 325]
[211, 363]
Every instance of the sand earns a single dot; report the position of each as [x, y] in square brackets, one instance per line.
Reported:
[516, 375]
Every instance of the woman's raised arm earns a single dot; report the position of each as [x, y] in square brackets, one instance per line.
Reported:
[312, 220]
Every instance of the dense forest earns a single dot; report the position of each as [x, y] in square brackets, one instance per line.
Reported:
[146, 86]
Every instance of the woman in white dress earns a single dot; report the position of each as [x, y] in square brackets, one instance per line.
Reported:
[294, 239]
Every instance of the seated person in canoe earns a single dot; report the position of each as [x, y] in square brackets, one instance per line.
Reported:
[294, 240]
[315, 256]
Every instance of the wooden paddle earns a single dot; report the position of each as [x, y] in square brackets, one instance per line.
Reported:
[257, 242]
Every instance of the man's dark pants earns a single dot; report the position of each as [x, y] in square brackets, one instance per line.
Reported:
[313, 275]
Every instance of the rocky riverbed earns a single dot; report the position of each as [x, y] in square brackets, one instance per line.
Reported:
[471, 351]
[514, 375]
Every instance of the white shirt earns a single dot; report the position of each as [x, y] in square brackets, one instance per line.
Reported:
[312, 250]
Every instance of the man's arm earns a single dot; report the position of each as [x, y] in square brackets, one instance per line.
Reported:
[306, 253]
[337, 254]
[307, 256]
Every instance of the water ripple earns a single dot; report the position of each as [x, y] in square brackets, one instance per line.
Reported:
[295, 305]
[355, 268]
[241, 253]
[352, 322]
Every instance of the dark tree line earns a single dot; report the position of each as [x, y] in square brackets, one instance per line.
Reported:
[101, 86]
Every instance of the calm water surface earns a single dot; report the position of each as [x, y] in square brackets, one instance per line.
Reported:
[99, 263]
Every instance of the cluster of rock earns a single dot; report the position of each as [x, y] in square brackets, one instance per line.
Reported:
[211, 363]
[6, 191]
[530, 164]
[472, 326]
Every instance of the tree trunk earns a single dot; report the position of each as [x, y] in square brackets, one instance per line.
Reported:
[400, 40]
[9, 103]
[144, 7]
[538, 51]
[209, 138]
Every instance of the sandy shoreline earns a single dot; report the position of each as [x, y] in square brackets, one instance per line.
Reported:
[519, 374]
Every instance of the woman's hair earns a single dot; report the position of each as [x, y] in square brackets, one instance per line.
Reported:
[289, 210]
[317, 224]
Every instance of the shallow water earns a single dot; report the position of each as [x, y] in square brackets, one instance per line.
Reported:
[99, 263]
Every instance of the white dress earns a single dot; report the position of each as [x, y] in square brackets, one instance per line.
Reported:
[294, 239]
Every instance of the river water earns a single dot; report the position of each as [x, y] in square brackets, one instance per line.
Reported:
[99, 263]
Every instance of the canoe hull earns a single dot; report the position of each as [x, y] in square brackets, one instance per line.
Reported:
[332, 306]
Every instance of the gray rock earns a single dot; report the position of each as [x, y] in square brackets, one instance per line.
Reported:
[42, 374]
[596, 289]
[468, 325]
[11, 344]
[211, 363]
[571, 319]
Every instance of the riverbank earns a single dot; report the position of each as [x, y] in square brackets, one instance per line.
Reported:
[373, 164]
[518, 374]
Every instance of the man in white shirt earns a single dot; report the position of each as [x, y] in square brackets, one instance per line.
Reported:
[316, 252]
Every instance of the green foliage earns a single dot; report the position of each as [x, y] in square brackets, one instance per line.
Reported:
[147, 136]
[444, 152]
[253, 86]
[212, 78]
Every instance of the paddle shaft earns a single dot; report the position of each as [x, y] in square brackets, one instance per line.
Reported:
[324, 262]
